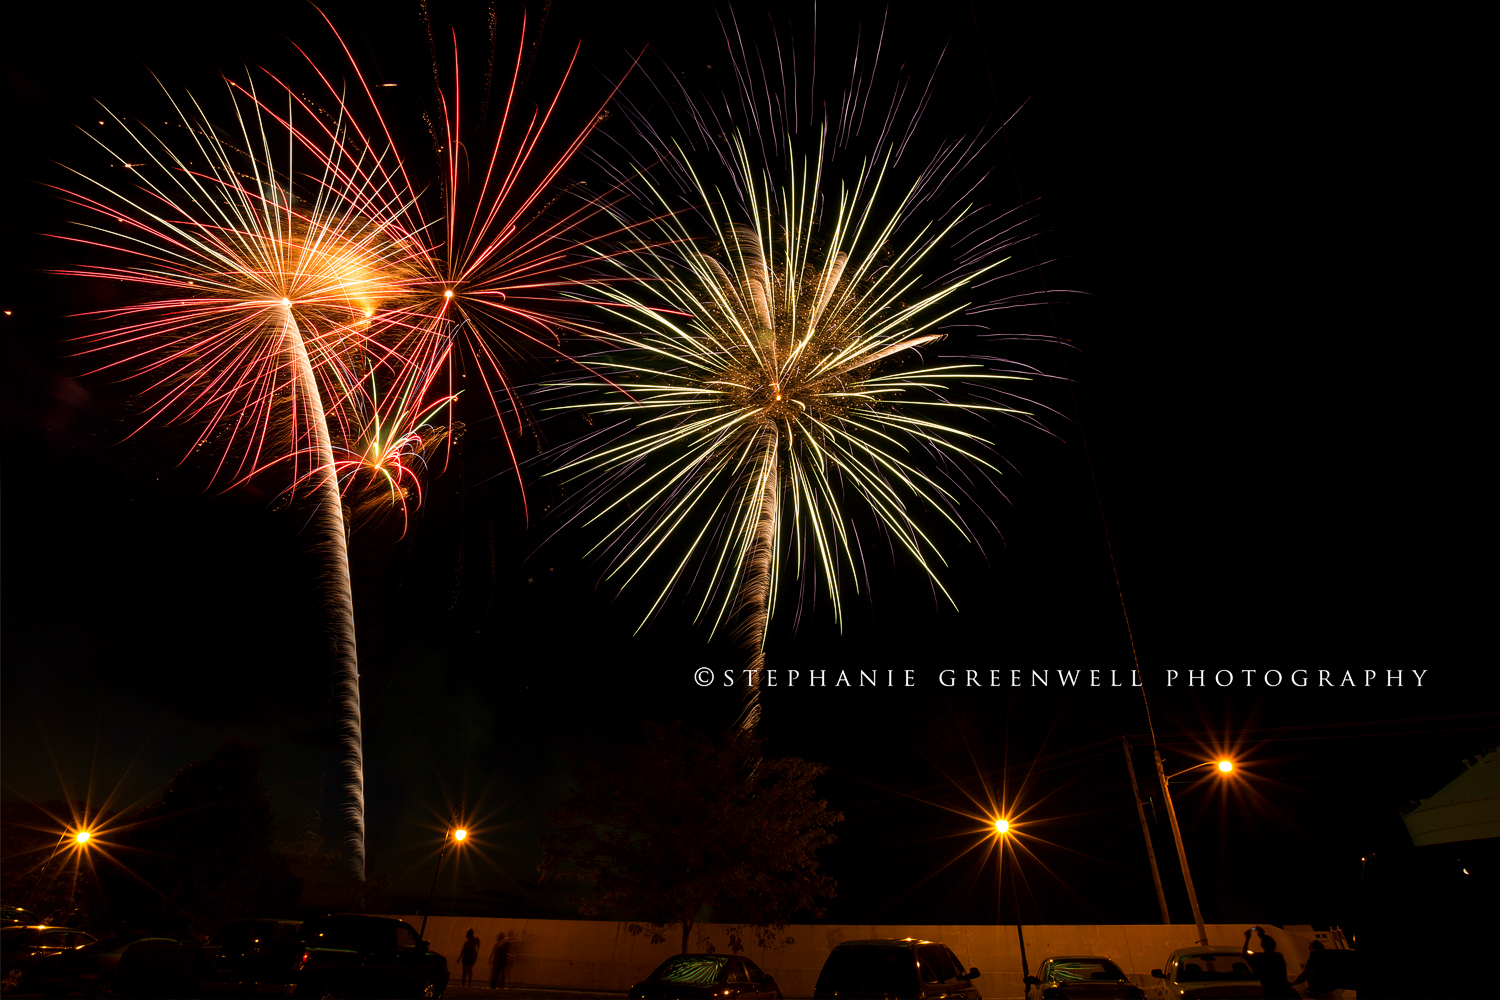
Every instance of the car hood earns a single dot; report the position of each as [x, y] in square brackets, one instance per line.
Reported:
[1243, 988]
[672, 991]
[1094, 991]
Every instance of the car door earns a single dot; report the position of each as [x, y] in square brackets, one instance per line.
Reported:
[416, 965]
[765, 986]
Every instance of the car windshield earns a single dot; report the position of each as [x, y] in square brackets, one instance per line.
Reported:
[1218, 967]
[1075, 971]
[868, 968]
[242, 933]
[349, 932]
[691, 969]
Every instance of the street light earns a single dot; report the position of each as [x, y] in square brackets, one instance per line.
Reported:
[458, 835]
[1224, 767]
[1002, 831]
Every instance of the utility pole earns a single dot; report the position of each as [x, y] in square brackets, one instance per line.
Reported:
[1187, 876]
[1135, 790]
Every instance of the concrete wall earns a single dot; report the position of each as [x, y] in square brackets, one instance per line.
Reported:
[603, 955]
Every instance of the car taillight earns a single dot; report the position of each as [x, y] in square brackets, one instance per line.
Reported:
[306, 957]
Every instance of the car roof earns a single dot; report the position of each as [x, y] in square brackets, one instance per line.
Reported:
[1208, 949]
[1077, 958]
[888, 942]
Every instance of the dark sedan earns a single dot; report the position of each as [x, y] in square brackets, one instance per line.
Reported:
[904, 968]
[24, 949]
[1068, 977]
[688, 977]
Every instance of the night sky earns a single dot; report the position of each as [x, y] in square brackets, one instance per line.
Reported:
[1280, 409]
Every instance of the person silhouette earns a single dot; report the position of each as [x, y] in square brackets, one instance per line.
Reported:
[1268, 965]
[1316, 974]
[498, 956]
[468, 955]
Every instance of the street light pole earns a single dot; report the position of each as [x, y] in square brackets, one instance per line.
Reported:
[458, 838]
[1002, 827]
[1135, 790]
[1187, 876]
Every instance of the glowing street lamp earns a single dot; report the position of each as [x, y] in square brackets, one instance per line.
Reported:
[457, 835]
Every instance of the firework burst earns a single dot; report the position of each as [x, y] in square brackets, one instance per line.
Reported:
[255, 308]
[490, 282]
[775, 387]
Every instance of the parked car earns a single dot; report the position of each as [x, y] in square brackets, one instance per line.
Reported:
[22, 948]
[92, 969]
[1211, 971]
[685, 977]
[1066, 977]
[160, 967]
[354, 955]
[254, 957]
[895, 967]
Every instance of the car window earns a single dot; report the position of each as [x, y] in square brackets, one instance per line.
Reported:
[66, 939]
[957, 966]
[927, 959]
[871, 968]
[697, 969]
[345, 932]
[405, 936]
[1206, 968]
[1073, 971]
[737, 973]
[753, 971]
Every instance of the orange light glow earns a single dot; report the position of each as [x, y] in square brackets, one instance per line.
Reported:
[1002, 826]
[1226, 766]
[460, 834]
[81, 837]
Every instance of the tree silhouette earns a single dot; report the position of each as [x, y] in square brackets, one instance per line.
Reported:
[680, 822]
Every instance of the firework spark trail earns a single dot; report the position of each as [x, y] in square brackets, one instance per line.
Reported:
[252, 309]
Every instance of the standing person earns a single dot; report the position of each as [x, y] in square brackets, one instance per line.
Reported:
[1317, 975]
[468, 955]
[1268, 965]
[498, 955]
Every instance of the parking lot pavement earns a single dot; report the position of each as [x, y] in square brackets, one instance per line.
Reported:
[533, 993]
[454, 992]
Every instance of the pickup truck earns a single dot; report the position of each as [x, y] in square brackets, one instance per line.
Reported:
[354, 955]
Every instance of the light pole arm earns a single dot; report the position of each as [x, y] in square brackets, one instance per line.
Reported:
[1187, 876]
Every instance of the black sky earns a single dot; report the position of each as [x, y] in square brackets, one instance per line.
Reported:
[1285, 446]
